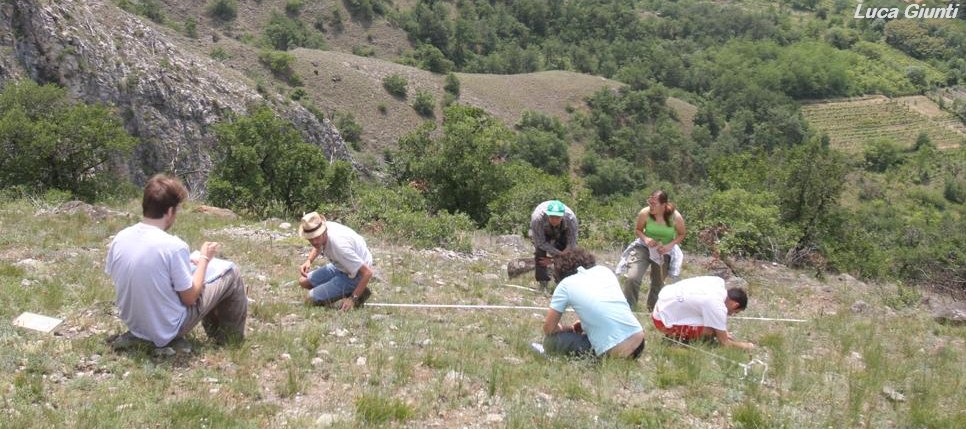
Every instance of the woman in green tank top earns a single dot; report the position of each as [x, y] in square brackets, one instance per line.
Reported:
[660, 227]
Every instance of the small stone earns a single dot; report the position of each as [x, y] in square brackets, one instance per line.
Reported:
[284, 225]
[326, 420]
[361, 361]
[494, 418]
[893, 395]
[860, 307]
[316, 361]
[341, 332]
[285, 356]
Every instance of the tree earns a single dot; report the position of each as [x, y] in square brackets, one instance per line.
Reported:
[462, 169]
[263, 168]
[49, 142]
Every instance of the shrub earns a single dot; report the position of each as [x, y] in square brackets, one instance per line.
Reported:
[280, 63]
[395, 85]
[452, 85]
[400, 214]
[264, 168]
[510, 211]
[294, 7]
[882, 154]
[351, 131]
[48, 142]
[191, 27]
[377, 409]
[752, 221]
[955, 190]
[223, 10]
[424, 104]
[284, 33]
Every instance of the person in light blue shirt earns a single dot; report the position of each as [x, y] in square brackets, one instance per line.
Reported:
[606, 325]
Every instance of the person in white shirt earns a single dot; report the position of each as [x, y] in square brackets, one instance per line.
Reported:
[346, 276]
[698, 308]
[159, 297]
[606, 325]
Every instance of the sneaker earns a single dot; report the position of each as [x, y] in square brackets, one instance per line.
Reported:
[127, 341]
[537, 347]
[366, 293]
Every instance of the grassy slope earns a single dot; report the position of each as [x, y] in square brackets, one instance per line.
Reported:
[305, 367]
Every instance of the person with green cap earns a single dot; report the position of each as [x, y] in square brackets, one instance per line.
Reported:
[553, 229]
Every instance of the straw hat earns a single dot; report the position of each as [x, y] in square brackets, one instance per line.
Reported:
[313, 225]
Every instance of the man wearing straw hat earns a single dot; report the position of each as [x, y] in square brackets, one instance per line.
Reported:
[346, 276]
[698, 308]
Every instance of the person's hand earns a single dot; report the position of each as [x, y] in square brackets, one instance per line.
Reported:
[544, 261]
[304, 268]
[209, 249]
[578, 328]
[650, 242]
[347, 303]
[662, 250]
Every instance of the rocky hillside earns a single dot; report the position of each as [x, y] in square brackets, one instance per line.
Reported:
[167, 95]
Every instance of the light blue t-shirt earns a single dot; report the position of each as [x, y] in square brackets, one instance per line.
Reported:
[149, 267]
[596, 296]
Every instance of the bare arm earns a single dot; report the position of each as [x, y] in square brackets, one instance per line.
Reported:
[364, 273]
[304, 268]
[724, 338]
[190, 296]
[551, 325]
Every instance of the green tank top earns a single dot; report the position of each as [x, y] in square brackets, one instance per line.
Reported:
[658, 231]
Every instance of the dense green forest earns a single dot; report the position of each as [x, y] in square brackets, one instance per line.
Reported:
[749, 167]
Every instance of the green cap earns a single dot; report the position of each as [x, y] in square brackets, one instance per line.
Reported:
[556, 208]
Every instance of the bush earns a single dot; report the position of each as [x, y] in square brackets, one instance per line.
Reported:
[351, 131]
[460, 169]
[280, 63]
[48, 142]
[284, 33]
[452, 85]
[880, 155]
[400, 215]
[955, 190]
[510, 211]
[223, 10]
[294, 7]
[395, 85]
[264, 168]
[752, 222]
[219, 53]
[424, 104]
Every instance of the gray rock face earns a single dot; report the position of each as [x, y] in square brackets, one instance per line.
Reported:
[167, 96]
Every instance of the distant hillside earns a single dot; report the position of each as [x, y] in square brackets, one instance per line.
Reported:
[850, 124]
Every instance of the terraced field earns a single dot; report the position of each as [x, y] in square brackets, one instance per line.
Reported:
[852, 124]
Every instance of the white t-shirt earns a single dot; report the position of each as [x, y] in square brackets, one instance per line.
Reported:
[149, 267]
[595, 294]
[697, 301]
[346, 249]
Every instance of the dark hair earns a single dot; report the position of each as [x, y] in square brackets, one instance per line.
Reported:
[669, 208]
[738, 295]
[161, 193]
[566, 263]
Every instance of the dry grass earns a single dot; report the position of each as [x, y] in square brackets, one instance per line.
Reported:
[309, 367]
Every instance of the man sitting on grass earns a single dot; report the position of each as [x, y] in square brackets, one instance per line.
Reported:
[697, 309]
[606, 325]
[159, 298]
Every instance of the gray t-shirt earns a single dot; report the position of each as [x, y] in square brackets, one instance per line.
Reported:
[346, 249]
[149, 267]
[596, 296]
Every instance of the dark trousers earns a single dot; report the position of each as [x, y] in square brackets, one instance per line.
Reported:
[568, 343]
